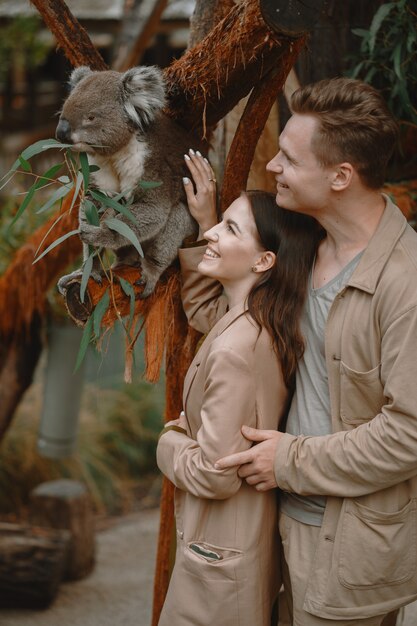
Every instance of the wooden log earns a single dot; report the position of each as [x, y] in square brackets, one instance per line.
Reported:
[32, 563]
[66, 504]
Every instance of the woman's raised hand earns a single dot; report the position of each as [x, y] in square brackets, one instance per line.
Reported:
[202, 202]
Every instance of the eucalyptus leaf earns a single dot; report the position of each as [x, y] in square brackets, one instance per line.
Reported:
[123, 229]
[87, 269]
[90, 212]
[377, 20]
[63, 179]
[24, 205]
[58, 195]
[25, 164]
[76, 190]
[85, 341]
[99, 310]
[85, 168]
[113, 204]
[37, 148]
[56, 243]
[48, 176]
[148, 184]
[130, 292]
[396, 57]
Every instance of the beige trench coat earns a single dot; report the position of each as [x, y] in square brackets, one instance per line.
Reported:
[217, 515]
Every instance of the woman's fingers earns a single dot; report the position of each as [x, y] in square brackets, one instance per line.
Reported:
[201, 199]
[200, 169]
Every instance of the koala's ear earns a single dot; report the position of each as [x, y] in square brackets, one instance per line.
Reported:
[78, 74]
[143, 93]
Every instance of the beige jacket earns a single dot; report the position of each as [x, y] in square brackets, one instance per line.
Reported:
[228, 384]
[366, 562]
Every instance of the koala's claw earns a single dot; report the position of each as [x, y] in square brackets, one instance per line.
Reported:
[65, 280]
[140, 282]
[95, 275]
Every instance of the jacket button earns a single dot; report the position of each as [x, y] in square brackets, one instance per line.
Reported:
[180, 534]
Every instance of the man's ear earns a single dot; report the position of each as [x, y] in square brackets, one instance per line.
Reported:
[265, 262]
[342, 176]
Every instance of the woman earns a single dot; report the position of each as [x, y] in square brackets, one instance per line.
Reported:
[226, 567]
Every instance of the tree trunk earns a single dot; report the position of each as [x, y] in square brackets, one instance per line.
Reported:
[18, 358]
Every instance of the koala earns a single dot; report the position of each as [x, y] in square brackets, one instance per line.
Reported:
[117, 119]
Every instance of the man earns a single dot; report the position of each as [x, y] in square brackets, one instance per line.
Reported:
[347, 463]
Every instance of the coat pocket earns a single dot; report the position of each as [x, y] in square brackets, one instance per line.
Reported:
[361, 394]
[377, 548]
[212, 561]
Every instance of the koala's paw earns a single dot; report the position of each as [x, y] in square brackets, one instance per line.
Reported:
[148, 285]
[65, 280]
[97, 276]
[89, 234]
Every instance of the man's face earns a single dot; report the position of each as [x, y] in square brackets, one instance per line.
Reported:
[302, 183]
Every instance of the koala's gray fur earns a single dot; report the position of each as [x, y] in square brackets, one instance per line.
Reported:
[117, 119]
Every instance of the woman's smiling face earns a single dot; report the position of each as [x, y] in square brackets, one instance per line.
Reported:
[233, 245]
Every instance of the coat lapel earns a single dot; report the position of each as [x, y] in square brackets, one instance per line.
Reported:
[229, 318]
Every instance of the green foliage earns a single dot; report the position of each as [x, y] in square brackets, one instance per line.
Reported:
[388, 57]
[93, 202]
[20, 44]
[116, 450]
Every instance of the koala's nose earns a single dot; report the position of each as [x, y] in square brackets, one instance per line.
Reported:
[63, 131]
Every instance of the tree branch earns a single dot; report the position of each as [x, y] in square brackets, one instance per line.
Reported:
[70, 35]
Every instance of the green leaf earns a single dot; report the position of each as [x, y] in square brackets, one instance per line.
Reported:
[94, 168]
[25, 164]
[23, 206]
[91, 213]
[383, 11]
[85, 169]
[48, 176]
[57, 195]
[76, 190]
[85, 340]
[36, 148]
[87, 269]
[113, 204]
[129, 291]
[99, 310]
[360, 32]
[356, 70]
[148, 184]
[396, 57]
[56, 243]
[63, 179]
[123, 229]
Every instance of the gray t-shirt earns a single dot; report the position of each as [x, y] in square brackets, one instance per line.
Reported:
[310, 407]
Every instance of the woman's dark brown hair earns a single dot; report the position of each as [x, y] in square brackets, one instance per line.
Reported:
[277, 300]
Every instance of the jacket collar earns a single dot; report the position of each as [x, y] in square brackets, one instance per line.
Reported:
[379, 248]
[227, 320]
